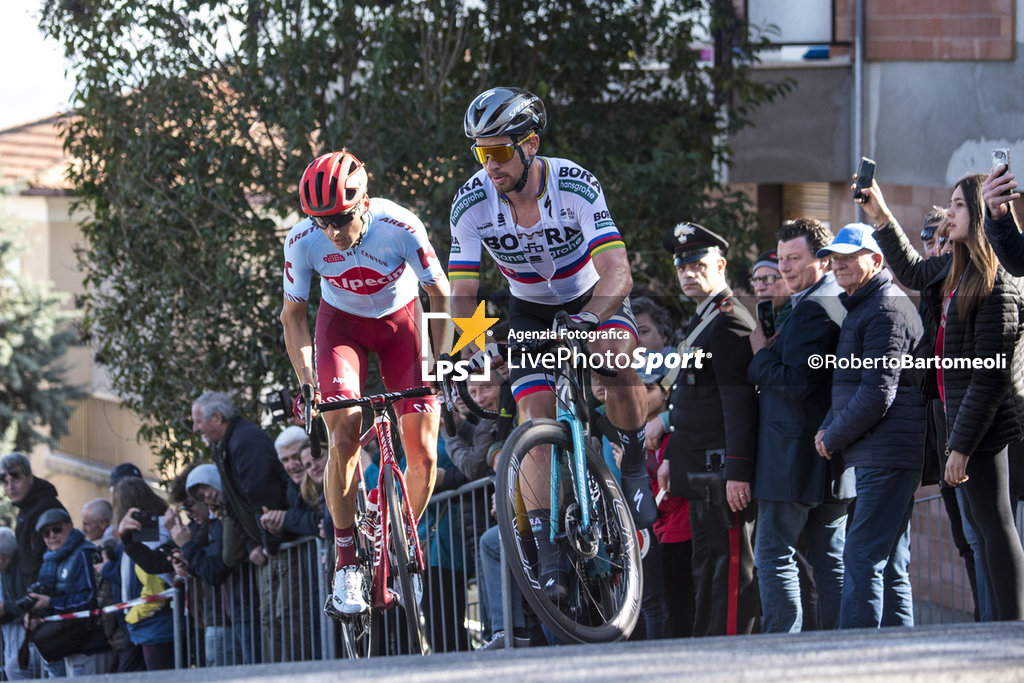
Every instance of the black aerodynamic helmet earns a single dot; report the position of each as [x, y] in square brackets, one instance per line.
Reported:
[505, 111]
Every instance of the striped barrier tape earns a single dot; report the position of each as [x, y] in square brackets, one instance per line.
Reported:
[86, 613]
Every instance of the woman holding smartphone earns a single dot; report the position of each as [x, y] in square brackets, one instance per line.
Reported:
[1001, 226]
[981, 311]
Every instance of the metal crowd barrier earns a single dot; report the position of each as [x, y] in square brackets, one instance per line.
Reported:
[942, 591]
[275, 613]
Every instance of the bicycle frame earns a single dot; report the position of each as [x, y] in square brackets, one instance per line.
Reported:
[568, 387]
[381, 597]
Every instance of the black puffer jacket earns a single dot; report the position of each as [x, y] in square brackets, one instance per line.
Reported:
[984, 407]
[1007, 241]
[41, 497]
[877, 417]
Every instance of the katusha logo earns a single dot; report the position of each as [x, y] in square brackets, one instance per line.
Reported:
[474, 329]
[362, 280]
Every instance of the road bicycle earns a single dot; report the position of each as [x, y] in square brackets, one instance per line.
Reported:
[590, 523]
[390, 556]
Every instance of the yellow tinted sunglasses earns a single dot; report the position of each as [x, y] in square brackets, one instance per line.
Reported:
[500, 153]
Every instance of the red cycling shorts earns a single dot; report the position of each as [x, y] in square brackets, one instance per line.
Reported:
[343, 342]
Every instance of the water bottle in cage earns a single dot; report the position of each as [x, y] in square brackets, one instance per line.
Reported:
[370, 521]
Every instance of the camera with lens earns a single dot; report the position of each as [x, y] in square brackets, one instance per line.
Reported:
[279, 401]
[26, 602]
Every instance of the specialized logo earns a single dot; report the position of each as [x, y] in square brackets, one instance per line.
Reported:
[474, 329]
[361, 280]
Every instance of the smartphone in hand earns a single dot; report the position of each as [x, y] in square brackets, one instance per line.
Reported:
[865, 176]
[766, 314]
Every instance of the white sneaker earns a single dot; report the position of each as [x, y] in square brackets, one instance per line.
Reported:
[347, 597]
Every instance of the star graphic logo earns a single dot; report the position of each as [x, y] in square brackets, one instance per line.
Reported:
[474, 328]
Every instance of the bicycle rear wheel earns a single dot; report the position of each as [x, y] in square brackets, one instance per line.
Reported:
[602, 565]
[405, 569]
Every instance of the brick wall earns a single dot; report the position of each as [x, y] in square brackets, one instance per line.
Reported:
[953, 30]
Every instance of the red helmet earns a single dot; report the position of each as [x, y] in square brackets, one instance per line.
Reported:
[333, 183]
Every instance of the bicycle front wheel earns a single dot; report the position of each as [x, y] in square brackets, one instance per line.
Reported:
[602, 563]
[405, 569]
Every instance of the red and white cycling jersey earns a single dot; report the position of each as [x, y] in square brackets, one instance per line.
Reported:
[370, 280]
[548, 261]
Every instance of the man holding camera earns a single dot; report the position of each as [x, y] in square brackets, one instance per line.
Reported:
[32, 496]
[710, 456]
[65, 584]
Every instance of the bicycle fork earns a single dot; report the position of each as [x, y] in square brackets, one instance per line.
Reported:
[578, 472]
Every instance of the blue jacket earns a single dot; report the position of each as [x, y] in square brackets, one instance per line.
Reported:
[68, 577]
[794, 399]
[875, 419]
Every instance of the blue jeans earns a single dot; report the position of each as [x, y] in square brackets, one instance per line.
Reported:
[220, 646]
[779, 526]
[981, 579]
[489, 583]
[876, 584]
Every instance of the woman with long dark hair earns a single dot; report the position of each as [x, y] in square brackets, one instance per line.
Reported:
[981, 374]
[144, 570]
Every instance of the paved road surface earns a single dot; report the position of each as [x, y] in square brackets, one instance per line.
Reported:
[961, 652]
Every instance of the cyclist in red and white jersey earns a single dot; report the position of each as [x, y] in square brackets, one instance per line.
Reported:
[370, 254]
[547, 226]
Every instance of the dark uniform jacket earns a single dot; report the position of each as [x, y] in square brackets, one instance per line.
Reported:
[715, 407]
[984, 407]
[794, 398]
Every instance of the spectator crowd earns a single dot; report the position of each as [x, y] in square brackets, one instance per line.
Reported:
[785, 467]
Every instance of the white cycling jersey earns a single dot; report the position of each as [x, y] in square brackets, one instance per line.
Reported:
[549, 261]
[370, 280]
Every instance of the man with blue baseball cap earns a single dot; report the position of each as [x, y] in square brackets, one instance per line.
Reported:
[876, 424]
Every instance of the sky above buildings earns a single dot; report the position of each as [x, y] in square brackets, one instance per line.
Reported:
[33, 85]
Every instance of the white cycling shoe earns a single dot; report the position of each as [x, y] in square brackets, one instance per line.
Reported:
[347, 597]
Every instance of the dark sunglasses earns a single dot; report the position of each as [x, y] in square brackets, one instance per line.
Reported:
[336, 221]
[12, 475]
[500, 153]
[51, 531]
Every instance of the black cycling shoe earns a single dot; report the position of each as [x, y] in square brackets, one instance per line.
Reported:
[554, 588]
[640, 499]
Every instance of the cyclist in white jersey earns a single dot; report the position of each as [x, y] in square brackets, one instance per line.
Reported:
[370, 254]
[546, 225]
